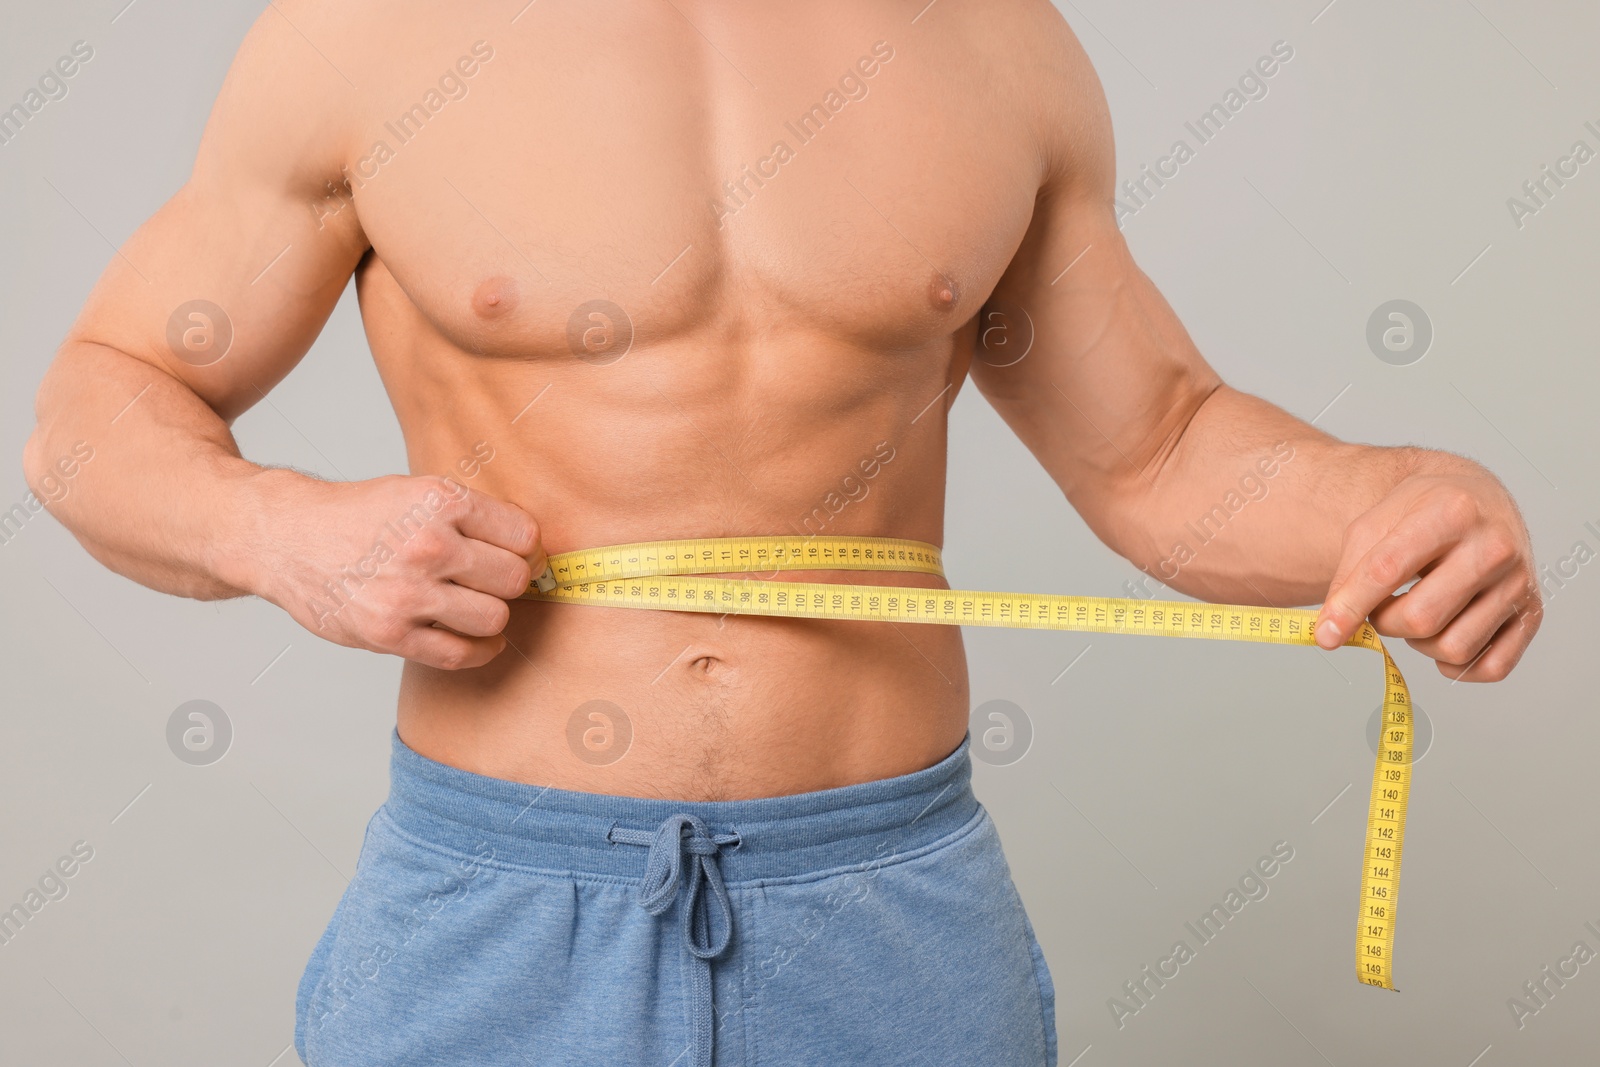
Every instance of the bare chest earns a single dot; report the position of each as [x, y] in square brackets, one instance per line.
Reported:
[682, 171]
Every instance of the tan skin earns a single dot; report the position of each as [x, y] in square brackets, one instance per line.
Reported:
[777, 349]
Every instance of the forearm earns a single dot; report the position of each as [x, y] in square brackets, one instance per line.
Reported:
[1251, 504]
[165, 498]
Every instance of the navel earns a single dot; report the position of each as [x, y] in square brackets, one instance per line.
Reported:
[495, 298]
[943, 292]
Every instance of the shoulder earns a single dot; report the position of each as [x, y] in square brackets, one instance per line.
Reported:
[1037, 68]
[290, 107]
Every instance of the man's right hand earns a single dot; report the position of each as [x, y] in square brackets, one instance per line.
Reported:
[419, 567]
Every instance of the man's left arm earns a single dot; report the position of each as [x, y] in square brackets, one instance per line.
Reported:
[1220, 494]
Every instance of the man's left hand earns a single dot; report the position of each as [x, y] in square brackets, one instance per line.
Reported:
[1476, 604]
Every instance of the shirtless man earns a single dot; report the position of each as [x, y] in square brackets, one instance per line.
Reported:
[684, 267]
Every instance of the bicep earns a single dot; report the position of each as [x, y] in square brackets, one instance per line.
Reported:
[226, 286]
[1111, 376]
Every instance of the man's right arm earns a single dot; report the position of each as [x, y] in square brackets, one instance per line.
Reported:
[207, 307]
[167, 485]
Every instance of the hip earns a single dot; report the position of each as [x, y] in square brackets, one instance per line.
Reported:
[490, 920]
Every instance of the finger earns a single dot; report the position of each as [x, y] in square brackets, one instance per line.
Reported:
[467, 611]
[489, 569]
[1504, 650]
[448, 651]
[1393, 560]
[1474, 566]
[484, 518]
[1437, 598]
[1463, 639]
[1359, 537]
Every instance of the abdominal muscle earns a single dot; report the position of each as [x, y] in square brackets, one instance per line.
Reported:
[689, 439]
[693, 707]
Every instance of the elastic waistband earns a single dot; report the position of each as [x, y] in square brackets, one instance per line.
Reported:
[779, 837]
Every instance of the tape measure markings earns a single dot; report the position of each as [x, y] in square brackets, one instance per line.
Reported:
[670, 576]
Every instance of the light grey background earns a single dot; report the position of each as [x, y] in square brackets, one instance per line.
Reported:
[1378, 167]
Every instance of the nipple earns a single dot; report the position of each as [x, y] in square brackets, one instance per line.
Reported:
[943, 292]
[495, 298]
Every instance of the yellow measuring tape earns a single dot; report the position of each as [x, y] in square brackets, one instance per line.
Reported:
[668, 575]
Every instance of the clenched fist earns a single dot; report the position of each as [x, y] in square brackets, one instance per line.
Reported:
[1476, 604]
[419, 567]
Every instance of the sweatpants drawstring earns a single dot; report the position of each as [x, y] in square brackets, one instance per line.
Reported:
[705, 937]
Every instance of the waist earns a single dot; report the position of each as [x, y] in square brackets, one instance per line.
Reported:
[693, 705]
[778, 837]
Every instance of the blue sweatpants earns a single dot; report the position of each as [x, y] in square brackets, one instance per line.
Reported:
[492, 923]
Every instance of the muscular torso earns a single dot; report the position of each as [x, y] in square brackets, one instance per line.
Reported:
[797, 336]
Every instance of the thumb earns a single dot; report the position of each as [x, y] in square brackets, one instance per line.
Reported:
[1335, 621]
